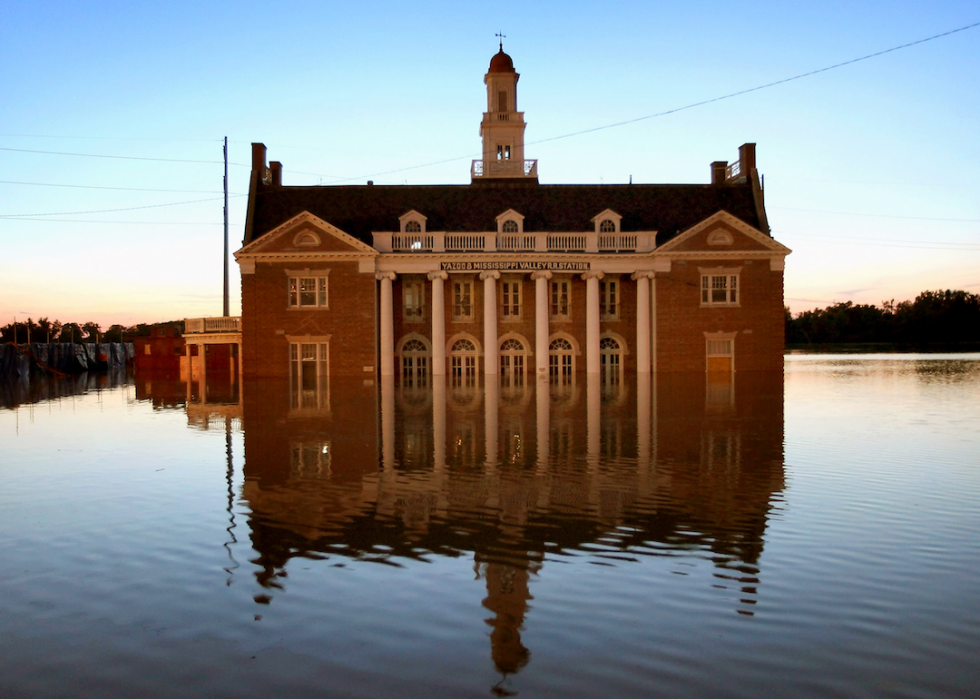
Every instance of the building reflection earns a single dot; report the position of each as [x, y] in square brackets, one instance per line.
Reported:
[669, 464]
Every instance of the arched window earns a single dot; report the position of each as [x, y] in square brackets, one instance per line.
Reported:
[512, 354]
[610, 361]
[509, 227]
[413, 227]
[607, 226]
[561, 362]
[415, 364]
[463, 361]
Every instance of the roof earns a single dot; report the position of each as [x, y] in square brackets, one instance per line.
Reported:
[361, 210]
[501, 63]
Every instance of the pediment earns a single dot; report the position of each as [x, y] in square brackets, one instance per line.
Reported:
[721, 233]
[306, 234]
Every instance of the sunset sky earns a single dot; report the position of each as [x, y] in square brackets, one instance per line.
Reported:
[113, 115]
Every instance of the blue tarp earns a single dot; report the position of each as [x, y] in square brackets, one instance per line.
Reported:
[67, 357]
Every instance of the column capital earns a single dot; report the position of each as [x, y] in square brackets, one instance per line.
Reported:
[390, 276]
[592, 274]
[438, 275]
[645, 274]
[541, 274]
[494, 274]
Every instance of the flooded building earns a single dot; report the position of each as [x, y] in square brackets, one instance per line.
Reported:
[507, 276]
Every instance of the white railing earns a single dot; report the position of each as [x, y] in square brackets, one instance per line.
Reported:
[617, 241]
[733, 170]
[221, 324]
[504, 168]
[409, 242]
[464, 242]
[439, 242]
[515, 241]
[568, 242]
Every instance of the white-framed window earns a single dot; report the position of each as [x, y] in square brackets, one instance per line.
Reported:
[503, 149]
[411, 222]
[608, 299]
[413, 301]
[512, 354]
[719, 287]
[510, 227]
[309, 372]
[510, 297]
[561, 299]
[607, 226]
[308, 290]
[413, 227]
[561, 362]
[463, 300]
[463, 356]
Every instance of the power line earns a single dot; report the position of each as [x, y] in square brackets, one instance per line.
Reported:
[120, 157]
[854, 213]
[121, 189]
[697, 104]
[107, 211]
[907, 244]
[128, 223]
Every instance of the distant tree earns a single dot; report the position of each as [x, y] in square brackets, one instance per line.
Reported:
[91, 331]
[934, 317]
[70, 332]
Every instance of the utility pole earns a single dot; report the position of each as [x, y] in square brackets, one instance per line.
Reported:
[225, 265]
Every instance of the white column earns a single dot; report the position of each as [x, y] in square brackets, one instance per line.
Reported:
[593, 414]
[388, 422]
[543, 414]
[653, 322]
[592, 321]
[438, 323]
[491, 432]
[541, 327]
[439, 422]
[490, 361]
[642, 321]
[387, 325]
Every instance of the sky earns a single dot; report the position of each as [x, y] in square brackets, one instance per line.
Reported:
[113, 116]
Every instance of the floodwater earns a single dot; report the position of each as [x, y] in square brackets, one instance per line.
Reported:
[814, 533]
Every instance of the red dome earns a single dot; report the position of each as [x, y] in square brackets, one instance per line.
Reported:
[501, 63]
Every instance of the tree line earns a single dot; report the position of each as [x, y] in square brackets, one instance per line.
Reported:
[45, 330]
[934, 317]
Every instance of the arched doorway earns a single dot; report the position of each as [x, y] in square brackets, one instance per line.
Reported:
[512, 354]
[415, 363]
[463, 356]
[610, 361]
[561, 362]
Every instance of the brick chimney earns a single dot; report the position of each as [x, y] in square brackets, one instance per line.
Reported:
[276, 168]
[719, 172]
[746, 157]
[258, 157]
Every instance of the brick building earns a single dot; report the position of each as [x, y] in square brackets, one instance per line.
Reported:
[507, 276]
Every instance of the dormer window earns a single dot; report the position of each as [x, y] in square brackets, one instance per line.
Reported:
[510, 222]
[607, 222]
[412, 222]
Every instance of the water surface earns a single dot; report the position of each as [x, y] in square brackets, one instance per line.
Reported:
[812, 532]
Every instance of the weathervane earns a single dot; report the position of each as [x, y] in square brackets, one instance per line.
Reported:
[501, 36]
